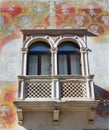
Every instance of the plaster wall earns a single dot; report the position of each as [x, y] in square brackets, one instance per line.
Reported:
[67, 121]
[98, 62]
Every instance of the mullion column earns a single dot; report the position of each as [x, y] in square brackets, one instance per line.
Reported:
[24, 61]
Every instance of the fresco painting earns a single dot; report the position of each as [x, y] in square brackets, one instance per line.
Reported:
[8, 116]
[17, 15]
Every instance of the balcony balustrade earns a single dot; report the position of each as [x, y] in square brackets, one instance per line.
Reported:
[62, 88]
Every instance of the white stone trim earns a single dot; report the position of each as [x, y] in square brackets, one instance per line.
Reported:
[72, 38]
[54, 47]
[33, 39]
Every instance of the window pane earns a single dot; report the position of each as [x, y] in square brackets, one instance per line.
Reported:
[39, 59]
[62, 59]
[39, 46]
[45, 64]
[75, 64]
[33, 65]
[68, 46]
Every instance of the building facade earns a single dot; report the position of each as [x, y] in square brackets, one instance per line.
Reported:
[54, 66]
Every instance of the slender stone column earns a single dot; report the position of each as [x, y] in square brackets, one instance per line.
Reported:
[21, 89]
[54, 61]
[24, 61]
[84, 60]
[55, 82]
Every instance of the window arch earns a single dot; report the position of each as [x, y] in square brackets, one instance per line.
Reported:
[53, 48]
[38, 59]
[69, 58]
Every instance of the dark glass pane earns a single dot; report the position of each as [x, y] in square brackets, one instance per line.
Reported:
[68, 46]
[32, 65]
[45, 64]
[62, 64]
[68, 59]
[39, 59]
[75, 64]
[39, 46]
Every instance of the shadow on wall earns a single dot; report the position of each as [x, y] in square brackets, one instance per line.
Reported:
[103, 106]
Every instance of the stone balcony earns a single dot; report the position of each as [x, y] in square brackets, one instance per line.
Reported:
[56, 88]
[55, 93]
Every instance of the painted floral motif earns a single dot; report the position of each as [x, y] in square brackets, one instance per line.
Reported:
[92, 9]
[10, 95]
[80, 20]
[2, 125]
[25, 20]
[66, 9]
[104, 19]
[15, 15]
[96, 29]
[13, 9]
[40, 9]
[3, 110]
[8, 116]
[59, 20]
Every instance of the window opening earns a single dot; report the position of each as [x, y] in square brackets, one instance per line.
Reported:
[39, 59]
[68, 59]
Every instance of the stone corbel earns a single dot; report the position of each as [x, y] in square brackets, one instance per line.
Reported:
[20, 116]
[91, 116]
[55, 116]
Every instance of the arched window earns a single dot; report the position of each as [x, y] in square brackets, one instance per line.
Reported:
[39, 59]
[68, 58]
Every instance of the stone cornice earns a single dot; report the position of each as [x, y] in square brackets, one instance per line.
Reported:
[57, 32]
[62, 105]
[55, 77]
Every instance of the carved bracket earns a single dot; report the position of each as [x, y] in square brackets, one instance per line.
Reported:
[91, 116]
[20, 116]
[55, 116]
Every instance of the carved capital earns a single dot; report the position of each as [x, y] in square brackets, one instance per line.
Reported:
[83, 49]
[24, 50]
[54, 50]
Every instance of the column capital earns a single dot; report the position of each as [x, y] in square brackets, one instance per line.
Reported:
[54, 50]
[84, 49]
[24, 50]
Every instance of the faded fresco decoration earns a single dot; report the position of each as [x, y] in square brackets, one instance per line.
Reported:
[15, 15]
[8, 116]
